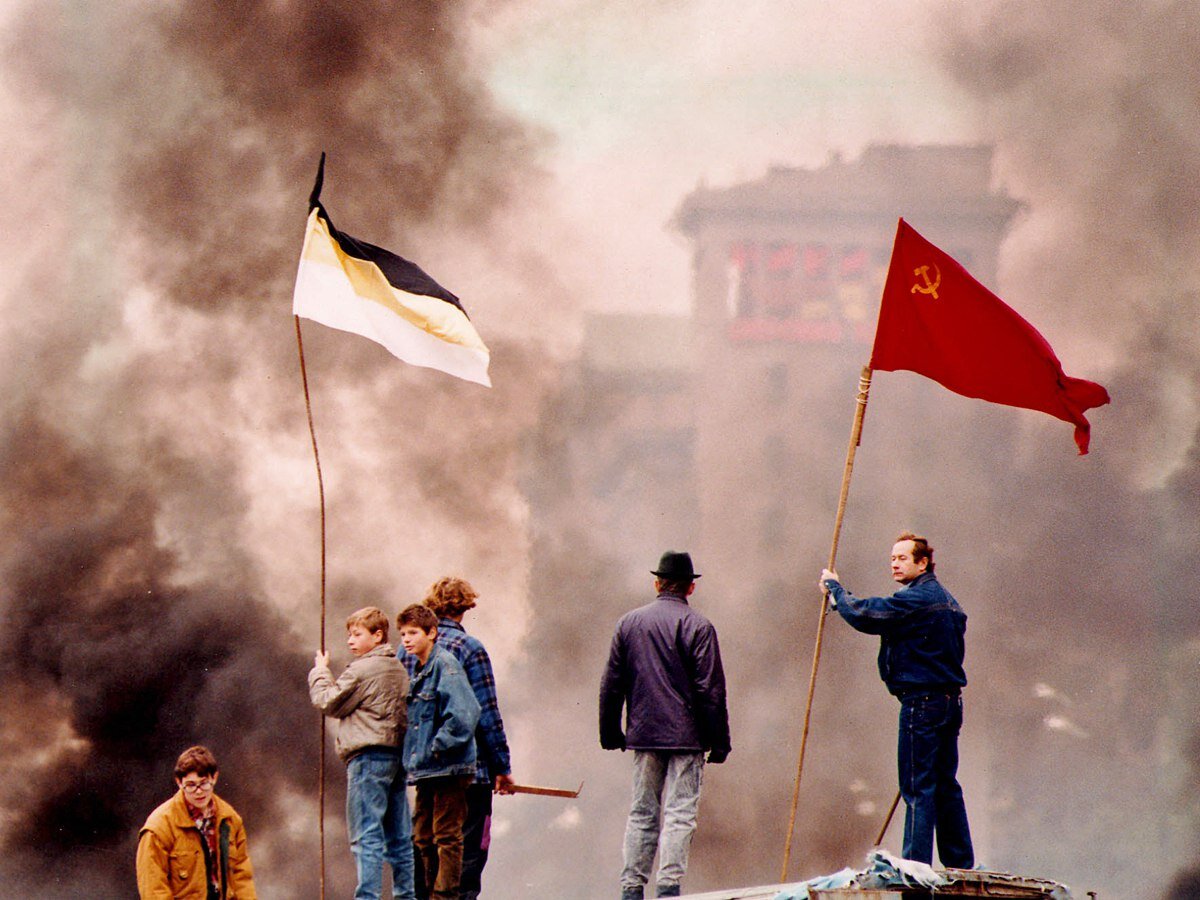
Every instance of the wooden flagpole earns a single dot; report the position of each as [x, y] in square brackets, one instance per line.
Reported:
[864, 388]
[888, 820]
[321, 492]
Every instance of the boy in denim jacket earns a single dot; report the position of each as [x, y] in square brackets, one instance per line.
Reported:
[439, 751]
[368, 700]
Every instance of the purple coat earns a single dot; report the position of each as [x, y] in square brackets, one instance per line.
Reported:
[664, 670]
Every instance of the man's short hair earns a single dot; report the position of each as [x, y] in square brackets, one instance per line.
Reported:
[421, 616]
[921, 548]
[450, 596]
[372, 618]
[674, 588]
[195, 759]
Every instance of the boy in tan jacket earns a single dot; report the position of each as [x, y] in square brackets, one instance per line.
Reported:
[193, 846]
[368, 700]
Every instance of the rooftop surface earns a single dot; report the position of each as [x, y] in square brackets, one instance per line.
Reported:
[884, 880]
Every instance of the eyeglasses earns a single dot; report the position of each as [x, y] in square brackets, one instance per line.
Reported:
[197, 787]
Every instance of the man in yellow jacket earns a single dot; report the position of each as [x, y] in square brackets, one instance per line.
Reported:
[193, 846]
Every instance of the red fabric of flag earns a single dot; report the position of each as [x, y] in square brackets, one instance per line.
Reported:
[938, 321]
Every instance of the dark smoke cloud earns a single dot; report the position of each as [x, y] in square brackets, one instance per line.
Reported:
[1093, 114]
[117, 668]
[159, 498]
[1185, 887]
[211, 119]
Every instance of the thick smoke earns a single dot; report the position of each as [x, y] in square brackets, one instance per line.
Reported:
[1094, 117]
[111, 667]
[1077, 573]
[159, 498]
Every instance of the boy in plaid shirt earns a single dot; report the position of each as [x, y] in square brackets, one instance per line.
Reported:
[449, 598]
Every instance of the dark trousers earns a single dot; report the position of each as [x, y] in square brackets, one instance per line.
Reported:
[477, 832]
[438, 816]
[477, 837]
[928, 769]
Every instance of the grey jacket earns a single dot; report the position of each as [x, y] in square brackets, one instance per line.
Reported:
[664, 668]
[367, 700]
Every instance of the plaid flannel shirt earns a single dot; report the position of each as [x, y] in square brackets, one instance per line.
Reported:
[491, 744]
[206, 824]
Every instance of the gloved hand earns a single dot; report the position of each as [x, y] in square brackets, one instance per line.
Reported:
[716, 757]
[613, 740]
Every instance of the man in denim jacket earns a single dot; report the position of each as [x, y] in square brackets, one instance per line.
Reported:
[921, 650]
[439, 751]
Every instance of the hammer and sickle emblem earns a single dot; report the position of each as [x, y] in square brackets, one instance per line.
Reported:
[931, 285]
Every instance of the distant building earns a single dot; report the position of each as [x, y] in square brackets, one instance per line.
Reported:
[788, 274]
[685, 430]
[800, 255]
[723, 432]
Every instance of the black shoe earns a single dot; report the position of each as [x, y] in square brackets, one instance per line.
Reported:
[667, 890]
[632, 893]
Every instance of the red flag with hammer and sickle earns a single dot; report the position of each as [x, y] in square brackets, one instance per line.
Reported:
[938, 321]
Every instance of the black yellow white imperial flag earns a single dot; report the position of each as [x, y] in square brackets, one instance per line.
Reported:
[354, 286]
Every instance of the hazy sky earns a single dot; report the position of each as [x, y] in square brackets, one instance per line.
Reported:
[642, 101]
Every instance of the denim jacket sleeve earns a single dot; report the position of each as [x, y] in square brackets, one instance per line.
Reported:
[875, 615]
[460, 708]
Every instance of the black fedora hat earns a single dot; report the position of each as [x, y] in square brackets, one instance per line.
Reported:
[676, 566]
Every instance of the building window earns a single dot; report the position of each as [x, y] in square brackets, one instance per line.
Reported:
[779, 289]
[743, 273]
[809, 293]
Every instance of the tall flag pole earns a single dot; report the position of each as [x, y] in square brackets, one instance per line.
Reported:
[321, 493]
[860, 411]
[936, 320]
[355, 286]
[321, 496]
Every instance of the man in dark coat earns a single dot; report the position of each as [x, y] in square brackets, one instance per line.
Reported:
[664, 670]
[921, 629]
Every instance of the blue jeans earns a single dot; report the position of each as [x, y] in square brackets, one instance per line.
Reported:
[928, 768]
[378, 823]
[666, 800]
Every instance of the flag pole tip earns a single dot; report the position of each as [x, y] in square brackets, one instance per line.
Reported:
[314, 199]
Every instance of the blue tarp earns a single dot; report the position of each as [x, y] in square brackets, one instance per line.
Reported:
[883, 870]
